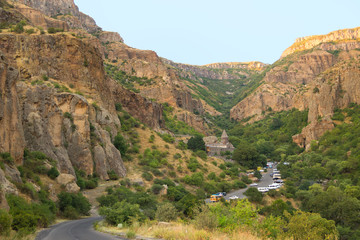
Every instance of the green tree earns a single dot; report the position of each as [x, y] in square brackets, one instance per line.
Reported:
[312, 226]
[247, 155]
[121, 212]
[120, 144]
[253, 195]
[196, 143]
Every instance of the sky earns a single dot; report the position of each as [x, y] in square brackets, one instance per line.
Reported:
[206, 31]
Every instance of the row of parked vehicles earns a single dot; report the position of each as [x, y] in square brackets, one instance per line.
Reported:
[278, 182]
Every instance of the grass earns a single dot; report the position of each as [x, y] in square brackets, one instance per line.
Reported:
[176, 230]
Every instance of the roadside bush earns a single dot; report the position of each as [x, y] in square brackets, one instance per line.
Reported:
[24, 222]
[238, 184]
[246, 179]
[5, 223]
[166, 212]
[196, 179]
[253, 195]
[205, 219]
[77, 201]
[122, 212]
[273, 193]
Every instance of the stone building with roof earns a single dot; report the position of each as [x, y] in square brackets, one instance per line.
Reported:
[216, 147]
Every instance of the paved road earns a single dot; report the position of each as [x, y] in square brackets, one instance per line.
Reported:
[265, 181]
[75, 230]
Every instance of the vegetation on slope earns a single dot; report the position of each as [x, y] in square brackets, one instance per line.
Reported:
[326, 179]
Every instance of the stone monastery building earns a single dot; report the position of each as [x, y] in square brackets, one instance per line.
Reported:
[217, 147]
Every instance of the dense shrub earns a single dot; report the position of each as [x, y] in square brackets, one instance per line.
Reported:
[253, 195]
[112, 175]
[76, 201]
[156, 188]
[53, 173]
[147, 176]
[196, 143]
[238, 184]
[166, 212]
[121, 144]
[5, 223]
[122, 212]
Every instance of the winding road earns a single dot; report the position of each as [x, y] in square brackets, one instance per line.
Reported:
[75, 230]
[265, 181]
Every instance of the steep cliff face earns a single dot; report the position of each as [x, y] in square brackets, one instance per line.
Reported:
[67, 8]
[309, 42]
[37, 18]
[319, 79]
[11, 132]
[220, 71]
[65, 126]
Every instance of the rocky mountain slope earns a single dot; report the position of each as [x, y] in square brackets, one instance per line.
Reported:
[320, 78]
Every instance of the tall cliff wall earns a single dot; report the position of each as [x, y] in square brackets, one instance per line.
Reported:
[319, 79]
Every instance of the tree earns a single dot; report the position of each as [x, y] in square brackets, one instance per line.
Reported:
[121, 212]
[120, 144]
[196, 143]
[253, 195]
[247, 155]
[312, 226]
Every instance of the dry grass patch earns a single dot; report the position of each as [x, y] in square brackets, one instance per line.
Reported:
[177, 231]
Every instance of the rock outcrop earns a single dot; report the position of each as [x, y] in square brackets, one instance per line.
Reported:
[309, 42]
[221, 71]
[64, 9]
[37, 18]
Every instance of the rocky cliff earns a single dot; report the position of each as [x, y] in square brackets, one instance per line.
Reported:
[54, 120]
[221, 71]
[319, 79]
[310, 42]
[66, 10]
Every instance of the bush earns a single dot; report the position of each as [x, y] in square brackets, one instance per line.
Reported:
[77, 201]
[24, 222]
[253, 195]
[30, 31]
[196, 143]
[121, 212]
[246, 179]
[112, 175]
[147, 176]
[205, 219]
[201, 154]
[238, 184]
[166, 213]
[5, 223]
[19, 28]
[53, 173]
[156, 188]
[120, 144]
[52, 30]
[222, 175]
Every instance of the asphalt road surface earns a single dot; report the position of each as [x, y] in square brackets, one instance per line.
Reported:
[75, 230]
[265, 181]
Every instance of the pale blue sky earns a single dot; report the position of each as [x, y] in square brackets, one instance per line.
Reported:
[207, 31]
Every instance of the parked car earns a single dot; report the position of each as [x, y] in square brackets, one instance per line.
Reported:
[233, 197]
[253, 185]
[263, 189]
